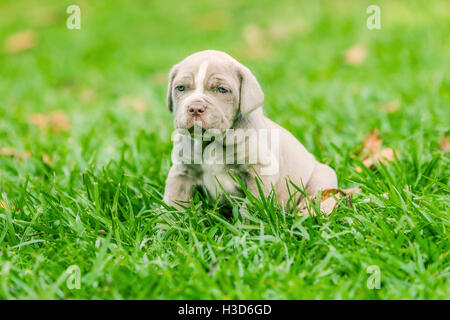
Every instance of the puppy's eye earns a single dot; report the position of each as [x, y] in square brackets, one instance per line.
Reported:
[180, 88]
[222, 90]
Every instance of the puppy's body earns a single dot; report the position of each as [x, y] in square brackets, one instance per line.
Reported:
[213, 90]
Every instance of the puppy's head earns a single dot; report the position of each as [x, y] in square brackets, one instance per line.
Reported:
[211, 88]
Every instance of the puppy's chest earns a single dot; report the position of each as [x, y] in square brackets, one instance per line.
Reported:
[216, 178]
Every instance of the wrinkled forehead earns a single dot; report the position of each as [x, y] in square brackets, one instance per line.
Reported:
[200, 69]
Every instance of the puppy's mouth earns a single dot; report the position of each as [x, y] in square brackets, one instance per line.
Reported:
[196, 123]
[195, 128]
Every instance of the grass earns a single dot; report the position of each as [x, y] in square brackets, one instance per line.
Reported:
[89, 194]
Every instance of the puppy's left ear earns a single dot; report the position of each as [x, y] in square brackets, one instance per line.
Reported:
[251, 94]
[172, 74]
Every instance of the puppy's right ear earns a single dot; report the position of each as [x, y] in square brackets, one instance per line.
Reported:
[172, 74]
[251, 95]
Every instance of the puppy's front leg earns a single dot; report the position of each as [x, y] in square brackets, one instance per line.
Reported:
[179, 189]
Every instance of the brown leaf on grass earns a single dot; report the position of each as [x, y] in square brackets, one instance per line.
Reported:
[56, 121]
[46, 158]
[391, 106]
[382, 156]
[329, 200]
[59, 122]
[355, 55]
[138, 104]
[372, 151]
[372, 142]
[350, 191]
[11, 152]
[21, 41]
[39, 120]
[445, 143]
[3, 205]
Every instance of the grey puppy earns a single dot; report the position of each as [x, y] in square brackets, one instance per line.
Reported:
[212, 91]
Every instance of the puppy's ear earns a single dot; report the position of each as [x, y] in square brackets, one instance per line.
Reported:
[172, 74]
[251, 94]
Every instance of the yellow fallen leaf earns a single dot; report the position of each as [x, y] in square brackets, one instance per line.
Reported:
[39, 120]
[138, 104]
[56, 121]
[382, 156]
[355, 55]
[59, 122]
[391, 106]
[328, 200]
[46, 158]
[372, 142]
[350, 191]
[372, 152]
[11, 152]
[20, 41]
[445, 143]
[3, 205]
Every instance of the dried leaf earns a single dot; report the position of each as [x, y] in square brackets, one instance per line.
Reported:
[350, 191]
[59, 122]
[328, 200]
[372, 152]
[327, 205]
[3, 205]
[355, 55]
[11, 152]
[138, 104]
[20, 41]
[46, 158]
[384, 155]
[327, 193]
[391, 106]
[445, 143]
[372, 142]
[39, 120]
[56, 121]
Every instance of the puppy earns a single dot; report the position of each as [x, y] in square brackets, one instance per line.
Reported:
[222, 134]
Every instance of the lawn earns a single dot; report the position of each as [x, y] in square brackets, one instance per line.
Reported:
[85, 149]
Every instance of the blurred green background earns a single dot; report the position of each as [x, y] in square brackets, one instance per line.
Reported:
[90, 104]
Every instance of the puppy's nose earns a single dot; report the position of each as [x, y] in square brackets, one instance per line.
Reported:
[196, 109]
